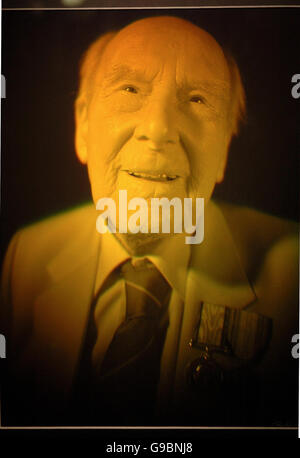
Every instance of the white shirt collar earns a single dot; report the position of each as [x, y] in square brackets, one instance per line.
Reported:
[171, 258]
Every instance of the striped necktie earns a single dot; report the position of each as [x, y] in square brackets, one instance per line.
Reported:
[127, 378]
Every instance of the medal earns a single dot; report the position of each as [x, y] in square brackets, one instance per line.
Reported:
[204, 372]
[239, 334]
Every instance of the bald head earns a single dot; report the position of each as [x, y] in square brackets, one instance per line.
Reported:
[170, 32]
[169, 35]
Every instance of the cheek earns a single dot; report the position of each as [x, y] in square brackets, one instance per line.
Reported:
[102, 168]
[103, 178]
[206, 150]
[100, 133]
[108, 132]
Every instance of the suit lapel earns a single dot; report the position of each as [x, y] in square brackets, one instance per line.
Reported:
[215, 276]
[62, 311]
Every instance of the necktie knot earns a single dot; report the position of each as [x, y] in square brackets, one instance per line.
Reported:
[146, 289]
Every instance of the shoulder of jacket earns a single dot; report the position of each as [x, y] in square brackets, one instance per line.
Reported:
[261, 239]
[24, 270]
[34, 245]
[59, 223]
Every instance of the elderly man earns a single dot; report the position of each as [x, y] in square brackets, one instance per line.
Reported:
[141, 328]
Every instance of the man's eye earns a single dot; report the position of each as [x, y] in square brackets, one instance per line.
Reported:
[130, 89]
[197, 99]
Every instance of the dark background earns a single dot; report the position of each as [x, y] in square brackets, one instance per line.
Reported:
[50, 4]
[40, 54]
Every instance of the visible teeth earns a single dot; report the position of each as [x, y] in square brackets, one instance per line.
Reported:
[160, 177]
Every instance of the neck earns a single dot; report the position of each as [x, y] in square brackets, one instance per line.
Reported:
[140, 244]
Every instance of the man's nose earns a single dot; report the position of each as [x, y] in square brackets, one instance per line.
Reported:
[157, 125]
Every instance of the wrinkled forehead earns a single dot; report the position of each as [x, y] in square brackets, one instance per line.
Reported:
[153, 43]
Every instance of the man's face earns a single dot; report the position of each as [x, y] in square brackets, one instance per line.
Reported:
[157, 123]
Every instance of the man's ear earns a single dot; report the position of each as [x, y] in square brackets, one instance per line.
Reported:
[81, 126]
[221, 171]
[223, 162]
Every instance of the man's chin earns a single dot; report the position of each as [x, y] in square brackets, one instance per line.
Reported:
[140, 243]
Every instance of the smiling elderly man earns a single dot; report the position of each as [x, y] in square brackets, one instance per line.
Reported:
[135, 329]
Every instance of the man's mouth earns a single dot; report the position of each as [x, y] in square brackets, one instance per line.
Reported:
[161, 177]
